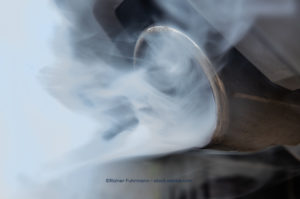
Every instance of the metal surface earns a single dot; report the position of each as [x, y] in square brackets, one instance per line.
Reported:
[257, 112]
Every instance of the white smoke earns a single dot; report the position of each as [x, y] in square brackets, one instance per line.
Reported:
[165, 101]
[162, 106]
